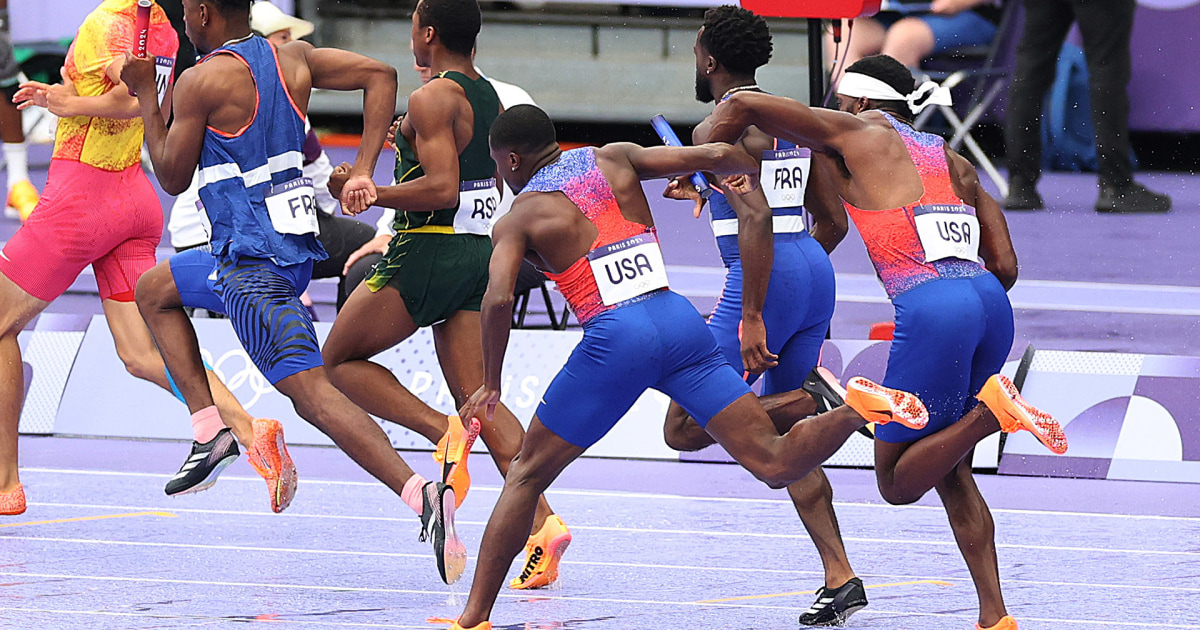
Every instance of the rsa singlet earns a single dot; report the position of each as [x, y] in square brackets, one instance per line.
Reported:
[935, 237]
[478, 194]
[624, 264]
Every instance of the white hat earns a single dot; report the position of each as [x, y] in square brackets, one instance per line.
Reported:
[267, 18]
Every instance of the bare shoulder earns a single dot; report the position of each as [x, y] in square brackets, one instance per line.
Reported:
[961, 169]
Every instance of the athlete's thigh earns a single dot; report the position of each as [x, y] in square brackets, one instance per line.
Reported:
[369, 323]
[938, 327]
[615, 362]
[17, 308]
[190, 272]
[459, 345]
[118, 270]
[997, 337]
[263, 304]
[726, 319]
[797, 358]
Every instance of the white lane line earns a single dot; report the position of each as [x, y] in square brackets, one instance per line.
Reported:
[229, 619]
[565, 598]
[637, 495]
[659, 532]
[619, 565]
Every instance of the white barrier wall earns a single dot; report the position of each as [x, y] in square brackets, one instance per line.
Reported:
[1126, 416]
[101, 399]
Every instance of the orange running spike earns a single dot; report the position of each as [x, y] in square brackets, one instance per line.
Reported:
[542, 553]
[879, 404]
[13, 501]
[454, 448]
[270, 459]
[1014, 413]
[1006, 623]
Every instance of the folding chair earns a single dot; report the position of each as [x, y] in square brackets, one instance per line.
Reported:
[989, 68]
[529, 279]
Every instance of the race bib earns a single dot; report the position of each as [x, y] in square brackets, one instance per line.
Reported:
[627, 269]
[478, 201]
[293, 207]
[948, 231]
[163, 67]
[784, 176]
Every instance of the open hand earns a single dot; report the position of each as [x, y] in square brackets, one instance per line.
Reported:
[484, 398]
[56, 98]
[681, 188]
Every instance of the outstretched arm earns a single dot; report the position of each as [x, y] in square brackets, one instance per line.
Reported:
[334, 69]
[509, 244]
[658, 162]
[780, 117]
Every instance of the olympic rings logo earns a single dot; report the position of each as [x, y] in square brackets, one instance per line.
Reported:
[248, 375]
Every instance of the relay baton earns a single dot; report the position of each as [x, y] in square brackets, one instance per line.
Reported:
[142, 29]
[669, 138]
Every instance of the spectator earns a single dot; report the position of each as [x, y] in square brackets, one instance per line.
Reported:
[911, 32]
[1107, 27]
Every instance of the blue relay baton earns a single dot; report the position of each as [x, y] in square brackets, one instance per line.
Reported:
[669, 138]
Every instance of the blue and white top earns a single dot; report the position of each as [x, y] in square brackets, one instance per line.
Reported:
[251, 182]
[784, 178]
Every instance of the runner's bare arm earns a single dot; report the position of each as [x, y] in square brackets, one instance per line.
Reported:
[63, 101]
[658, 162]
[509, 244]
[756, 247]
[995, 244]
[829, 221]
[175, 153]
[781, 117]
[334, 69]
[431, 112]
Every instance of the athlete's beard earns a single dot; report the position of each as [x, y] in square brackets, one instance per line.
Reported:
[704, 88]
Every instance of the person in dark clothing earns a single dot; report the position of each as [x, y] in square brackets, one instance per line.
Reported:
[1107, 27]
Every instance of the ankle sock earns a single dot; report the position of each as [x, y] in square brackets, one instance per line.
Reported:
[411, 494]
[206, 423]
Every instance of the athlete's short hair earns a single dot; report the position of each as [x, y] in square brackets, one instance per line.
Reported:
[231, 7]
[457, 22]
[891, 72]
[738, 39]
[523, 129]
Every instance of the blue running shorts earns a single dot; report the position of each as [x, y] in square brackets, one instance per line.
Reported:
[798, 307]
[660, 343]
[951, 335]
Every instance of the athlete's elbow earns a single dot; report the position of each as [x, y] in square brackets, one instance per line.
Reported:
[173, 186]
[1005, 270]
[499, 302]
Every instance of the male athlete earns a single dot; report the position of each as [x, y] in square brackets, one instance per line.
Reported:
[781, 325]
[582, 217]
[239, 116]
[99, 209]
[436, 268]
[926, 222]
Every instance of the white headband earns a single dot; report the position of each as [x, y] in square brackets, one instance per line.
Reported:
[856, 85]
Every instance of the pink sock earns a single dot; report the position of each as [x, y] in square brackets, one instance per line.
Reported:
[411, 494]
[206, 423]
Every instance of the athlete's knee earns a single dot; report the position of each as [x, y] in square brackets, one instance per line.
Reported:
[154, 288]
[895, 494]
[527, 475]
[145, 364]
[682, 433]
